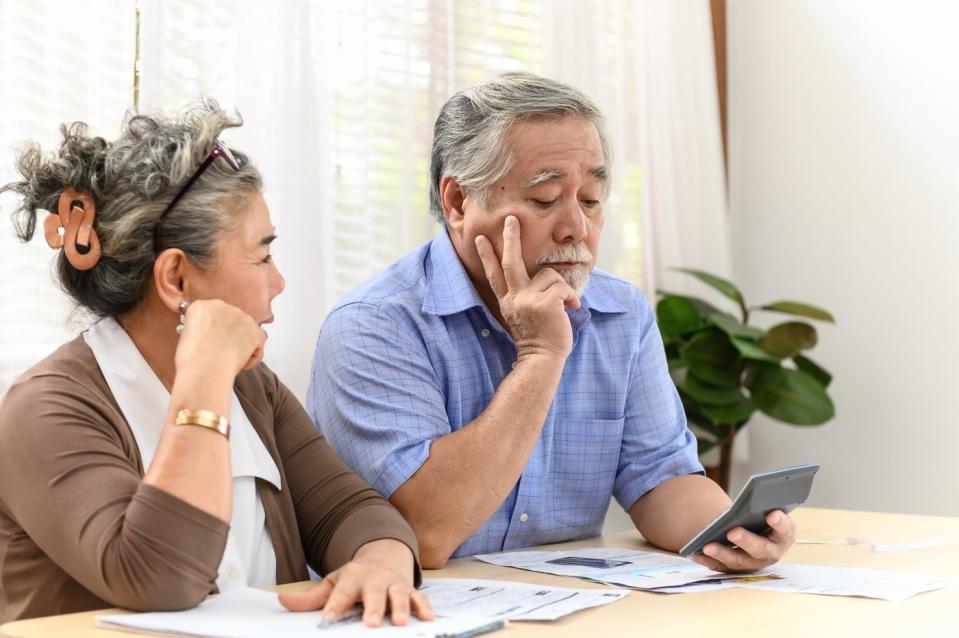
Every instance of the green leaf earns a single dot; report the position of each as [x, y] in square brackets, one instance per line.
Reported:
[750, 350]
[708, 395]
[789, 339]
[705, 308]
[738, 412]
[678, 316]
[723, 286]
[800, 309]
[811, 368]
[673, 359]
[788, 395]
[695, 416]
[711, 358]
[733, 328]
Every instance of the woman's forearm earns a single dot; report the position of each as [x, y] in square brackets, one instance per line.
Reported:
[193, 462]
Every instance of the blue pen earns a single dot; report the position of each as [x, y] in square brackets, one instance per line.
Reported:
[476, 631]
[351, 614]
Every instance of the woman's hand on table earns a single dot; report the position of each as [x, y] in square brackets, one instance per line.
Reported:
[380, 576]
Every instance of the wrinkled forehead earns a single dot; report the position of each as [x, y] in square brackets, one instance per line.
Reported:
[546, 148]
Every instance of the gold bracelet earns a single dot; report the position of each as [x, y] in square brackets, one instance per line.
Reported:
[204, 418]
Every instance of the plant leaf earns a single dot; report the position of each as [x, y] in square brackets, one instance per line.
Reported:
[811, 368]
[733, 328]
[695, 417]
[789, 339]
[800, 309]
[705, 308]
[712, 359]
[749, 350]
[678, 316]
[738, 412]
[788, 395]
[708, 395]
[725, 287]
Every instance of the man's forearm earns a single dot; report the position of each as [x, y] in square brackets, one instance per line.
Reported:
[671, 513]
[471, 471]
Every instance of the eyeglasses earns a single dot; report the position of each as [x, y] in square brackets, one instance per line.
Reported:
[218, 150]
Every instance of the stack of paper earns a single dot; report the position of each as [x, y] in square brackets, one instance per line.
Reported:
[623, 567]
[453, 597]
[463, 608]
[669, 573]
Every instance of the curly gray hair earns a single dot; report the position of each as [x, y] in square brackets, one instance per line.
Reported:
[132, 180]
[470, 134]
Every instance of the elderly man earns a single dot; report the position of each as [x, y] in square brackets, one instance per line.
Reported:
[492, 384]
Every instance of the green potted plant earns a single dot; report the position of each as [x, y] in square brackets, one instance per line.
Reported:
[726, 369]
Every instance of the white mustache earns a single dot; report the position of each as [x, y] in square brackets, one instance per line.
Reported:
[566, 254]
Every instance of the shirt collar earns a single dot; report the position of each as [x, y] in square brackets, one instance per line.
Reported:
[449, 290]
[596, 299]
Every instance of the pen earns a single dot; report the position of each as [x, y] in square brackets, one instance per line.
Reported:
[476, 631]
[350, 614]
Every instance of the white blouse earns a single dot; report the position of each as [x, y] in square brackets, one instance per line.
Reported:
[249, 558]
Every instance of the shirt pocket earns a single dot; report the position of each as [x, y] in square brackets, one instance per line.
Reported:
[584, 463]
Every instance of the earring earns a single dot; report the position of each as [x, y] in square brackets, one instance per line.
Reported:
[182, 324]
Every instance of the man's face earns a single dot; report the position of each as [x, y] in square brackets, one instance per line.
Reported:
[555, 190]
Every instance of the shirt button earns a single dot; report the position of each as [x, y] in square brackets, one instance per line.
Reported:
[523, 517]
[484, 332]
[233, 572]
[512, 365]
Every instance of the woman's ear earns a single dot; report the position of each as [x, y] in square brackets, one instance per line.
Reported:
[170, 275]
[452, 196]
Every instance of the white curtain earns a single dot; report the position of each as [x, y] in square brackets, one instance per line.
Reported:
[339, 101]
[59, 62]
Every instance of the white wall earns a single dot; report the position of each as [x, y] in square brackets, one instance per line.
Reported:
[844, 167]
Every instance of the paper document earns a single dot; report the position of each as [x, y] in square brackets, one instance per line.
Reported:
[625, 567]
[453, 597]
[667, 573]
[848, 581]
[252, 613]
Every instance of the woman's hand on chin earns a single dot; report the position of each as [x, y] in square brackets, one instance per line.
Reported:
[218, 339]
[380, 576]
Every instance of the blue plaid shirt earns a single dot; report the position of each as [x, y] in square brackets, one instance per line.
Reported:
[414, 355]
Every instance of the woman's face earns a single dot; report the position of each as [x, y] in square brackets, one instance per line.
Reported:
[244, 274]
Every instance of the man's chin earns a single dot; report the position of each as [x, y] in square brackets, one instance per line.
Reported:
[577, 279]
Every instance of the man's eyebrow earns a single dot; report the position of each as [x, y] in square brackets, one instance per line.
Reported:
[599, 172]
[544, 176]
[548, 174]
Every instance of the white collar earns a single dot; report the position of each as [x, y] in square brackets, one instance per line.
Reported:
[142, 399]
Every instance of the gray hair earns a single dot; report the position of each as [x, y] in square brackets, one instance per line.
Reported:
[132, 180]
[469, 137]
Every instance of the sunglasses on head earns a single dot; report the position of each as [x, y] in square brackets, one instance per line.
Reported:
[218, 150]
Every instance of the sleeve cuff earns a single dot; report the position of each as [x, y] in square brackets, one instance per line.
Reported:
[632, 490]
[371, 523]
[402, 465]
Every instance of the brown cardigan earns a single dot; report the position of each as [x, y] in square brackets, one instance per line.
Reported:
[79, 530]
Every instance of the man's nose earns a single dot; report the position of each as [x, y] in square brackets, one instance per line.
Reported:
[570, 224]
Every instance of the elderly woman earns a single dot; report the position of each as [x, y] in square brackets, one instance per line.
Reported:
[155, 459]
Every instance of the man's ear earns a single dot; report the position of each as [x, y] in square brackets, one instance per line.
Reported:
[452, 196]
[170, 277]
